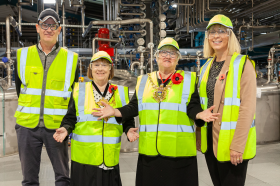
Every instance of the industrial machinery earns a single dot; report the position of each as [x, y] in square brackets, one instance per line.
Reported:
[130, 30]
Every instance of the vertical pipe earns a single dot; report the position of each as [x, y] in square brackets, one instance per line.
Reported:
[107, 3]
[19, 14]
[188, 17]
[83, 15]
[3, 115]
[63, 22]
[8, 37]
[56, 7]
[104, 11]
[110, 10]
[8, 50]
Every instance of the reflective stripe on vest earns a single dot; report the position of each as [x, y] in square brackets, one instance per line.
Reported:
[97, 138]
[159, 135]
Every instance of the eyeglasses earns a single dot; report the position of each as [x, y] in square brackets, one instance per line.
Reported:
[99, 65]
[45, 26]
[220, 32]
[165, 53]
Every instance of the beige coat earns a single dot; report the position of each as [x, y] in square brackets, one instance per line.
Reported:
[246, 111]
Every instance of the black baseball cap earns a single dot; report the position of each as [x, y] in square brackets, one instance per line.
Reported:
[49, 13]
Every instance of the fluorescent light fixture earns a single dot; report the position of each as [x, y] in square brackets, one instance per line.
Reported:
[49, 1]
[174, 6]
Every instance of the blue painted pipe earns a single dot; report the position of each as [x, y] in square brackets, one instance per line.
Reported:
[197, 41]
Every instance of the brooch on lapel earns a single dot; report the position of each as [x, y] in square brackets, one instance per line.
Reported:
[112, 88]
[222, 77]
[177, 78]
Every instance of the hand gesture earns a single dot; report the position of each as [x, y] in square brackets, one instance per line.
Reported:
[132, 134]
[60, 134]
[235, 157]
[104, 112]
[207, 115]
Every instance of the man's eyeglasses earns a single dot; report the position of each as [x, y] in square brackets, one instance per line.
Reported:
[165, 53]
[45, 26]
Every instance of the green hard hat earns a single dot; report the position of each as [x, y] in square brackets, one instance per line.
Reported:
[101, 54]
[168, 41]
[220, 19]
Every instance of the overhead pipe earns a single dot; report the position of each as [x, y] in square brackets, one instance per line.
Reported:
[133, 5]
[20, 3]
[208, 7]
[183, 4]
[249, 26]
[139, 14]
[258, 8]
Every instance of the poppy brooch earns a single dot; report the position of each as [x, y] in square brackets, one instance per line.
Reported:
[112, 88]
[177, 78]
[222, 77]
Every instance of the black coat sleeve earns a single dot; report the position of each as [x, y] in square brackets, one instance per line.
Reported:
[129, 111]
[17, 80]
[70, 119]
[194, 108]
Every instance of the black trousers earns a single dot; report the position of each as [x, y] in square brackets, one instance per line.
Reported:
[30, 143]
[224, 173]
[166, 171]
[89, 175]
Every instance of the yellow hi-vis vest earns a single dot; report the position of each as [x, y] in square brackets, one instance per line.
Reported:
[61, 75]
[230, 110]
[165, 128]
[95, 142]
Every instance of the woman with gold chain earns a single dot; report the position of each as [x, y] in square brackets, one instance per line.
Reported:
[167, 103]
[95, 145]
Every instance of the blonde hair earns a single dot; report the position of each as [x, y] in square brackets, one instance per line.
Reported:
[89, 70]
[233, 45]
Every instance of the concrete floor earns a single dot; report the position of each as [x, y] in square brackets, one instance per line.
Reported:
[264, 169]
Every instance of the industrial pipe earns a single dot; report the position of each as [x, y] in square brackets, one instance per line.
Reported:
[104, 12]
[63, 22]
[3, 115]
[140, 14]
[56, 7]
[121, 22]
[133, 64]
[183, 4]
[208, 7]
[83, 15]
[102, 39]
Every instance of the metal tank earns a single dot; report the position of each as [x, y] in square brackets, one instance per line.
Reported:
[8, 142]
[267, 112]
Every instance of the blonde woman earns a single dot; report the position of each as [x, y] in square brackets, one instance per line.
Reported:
[228, 81]
[95, 145]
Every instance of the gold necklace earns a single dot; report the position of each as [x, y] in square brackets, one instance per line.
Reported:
[160, 92]
[100, 105]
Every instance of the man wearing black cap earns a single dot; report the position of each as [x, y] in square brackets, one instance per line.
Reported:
[44, 79]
